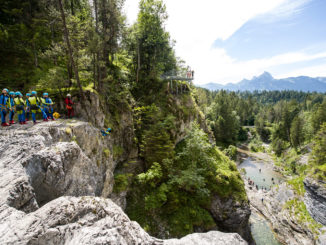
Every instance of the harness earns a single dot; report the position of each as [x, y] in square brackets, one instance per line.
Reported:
[19, 104]
[33, 103]
[47, 102]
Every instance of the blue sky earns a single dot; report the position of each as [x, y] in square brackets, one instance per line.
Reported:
[228, 40]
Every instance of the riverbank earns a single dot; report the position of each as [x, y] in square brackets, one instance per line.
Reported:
[271, 204]
[280, 204]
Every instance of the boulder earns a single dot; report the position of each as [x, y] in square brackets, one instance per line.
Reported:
[231, 216]
[212, 237]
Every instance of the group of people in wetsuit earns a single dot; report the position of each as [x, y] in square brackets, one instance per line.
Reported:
[15, 103]
[252, 183]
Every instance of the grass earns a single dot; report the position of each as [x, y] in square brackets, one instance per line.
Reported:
[297, 184]
[106, 152]
[68, 131]
[121, 182]
[288, 163]
[117, 151]
[299, 210]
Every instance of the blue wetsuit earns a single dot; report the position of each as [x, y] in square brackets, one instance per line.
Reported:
[3, 107]
[28, 109]
[12, 112]
[107, 132]
[48, 109]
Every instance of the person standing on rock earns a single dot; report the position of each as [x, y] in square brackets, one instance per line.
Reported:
[47, 103]
[3, 106]
[28, 106]
[19, 105]
[69, 104]
[35, 106]
[11, 104]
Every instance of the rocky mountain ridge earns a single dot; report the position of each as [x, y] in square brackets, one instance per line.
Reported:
[266, 82]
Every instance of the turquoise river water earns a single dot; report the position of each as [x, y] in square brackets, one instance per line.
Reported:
[265, 177]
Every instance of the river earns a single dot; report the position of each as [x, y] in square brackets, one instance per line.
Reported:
[263, 176]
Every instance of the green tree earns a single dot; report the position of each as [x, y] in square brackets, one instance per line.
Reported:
[151, 48]
[318, 154]
[297, 135]
[319, 116]
[225, 122]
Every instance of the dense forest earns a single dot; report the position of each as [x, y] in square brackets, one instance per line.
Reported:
[291, 122]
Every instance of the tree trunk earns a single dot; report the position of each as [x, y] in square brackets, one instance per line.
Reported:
[138, 63]
[71, 58]
[105, 27]
[35, 55]
[98, 77]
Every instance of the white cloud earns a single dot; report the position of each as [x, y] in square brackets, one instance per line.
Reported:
[224, 69]
[312, 71]
[195, 25]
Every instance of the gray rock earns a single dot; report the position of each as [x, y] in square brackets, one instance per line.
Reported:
[212, 237]
[288, 229]
[43, 167]
[232, 216]
[315, 199]
[72, 220]
[56, 159]
[322, 238]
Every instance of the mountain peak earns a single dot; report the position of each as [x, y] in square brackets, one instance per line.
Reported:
[266, 82]
[266, 75]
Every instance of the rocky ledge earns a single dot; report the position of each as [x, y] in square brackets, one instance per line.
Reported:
[284, 222]
[315, 199]
[50, 177]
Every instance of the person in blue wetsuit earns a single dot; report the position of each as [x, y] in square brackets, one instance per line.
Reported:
[47, 105]
[35, 105]
[106, 132]
[28, 106]
[11, 107]
[19, 105]
[4, 100]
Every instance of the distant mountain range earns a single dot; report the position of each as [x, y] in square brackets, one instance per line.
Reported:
[266, 82]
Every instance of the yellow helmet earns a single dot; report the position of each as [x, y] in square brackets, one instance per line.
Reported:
[56, 115]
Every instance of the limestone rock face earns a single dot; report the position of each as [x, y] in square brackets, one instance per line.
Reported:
[315, 199]
[50, 175]
[288, 229]
[234, 216]
[212, 237]
[73, 220]
[55, 159]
